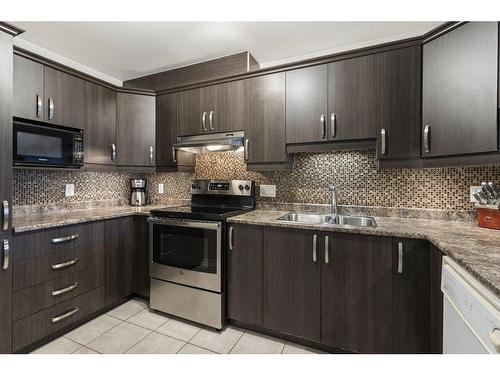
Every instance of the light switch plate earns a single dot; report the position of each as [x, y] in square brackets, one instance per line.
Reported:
[70, 190]
[268, 191]
[161, 189]
[472, 190]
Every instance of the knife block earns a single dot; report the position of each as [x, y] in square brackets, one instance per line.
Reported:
[488, 218]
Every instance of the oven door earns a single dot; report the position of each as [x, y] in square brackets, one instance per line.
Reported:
[186, 252]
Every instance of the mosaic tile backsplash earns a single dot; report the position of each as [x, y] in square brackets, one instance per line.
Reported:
[354, 173]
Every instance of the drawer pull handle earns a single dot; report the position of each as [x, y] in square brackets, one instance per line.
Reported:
[65, 239]
[400, 257]
[65, 315]
[315, 247]
[327, 249]
[64, 290]
[65, 264]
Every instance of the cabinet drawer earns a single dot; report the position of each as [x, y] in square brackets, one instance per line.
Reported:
[35, 327]
[34, 299]
[49, 267]
[33, 244]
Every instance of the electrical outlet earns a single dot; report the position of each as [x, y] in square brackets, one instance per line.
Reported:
[69, 190]
[161, 188]
[472, 190]
[268, 191]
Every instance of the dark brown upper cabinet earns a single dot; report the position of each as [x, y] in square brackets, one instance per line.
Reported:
[244, 280]
[28, 91]
[264, 122]
[192, 119]
[460, 85]
[63, 99]
[99, 119]
[166, 136]
[291, 302]
[307, 105]
[135, 130]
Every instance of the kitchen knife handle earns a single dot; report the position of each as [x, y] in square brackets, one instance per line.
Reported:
[383, 140]
[427, 135]
[323, 126]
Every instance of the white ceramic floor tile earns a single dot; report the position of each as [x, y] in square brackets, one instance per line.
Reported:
[61, 345]
[191, 349]
[128, 309]
[85, 350]
[157, 343]
[119, 339]
[93, 329]
[179, 330]
[291, 348]
[256, 343]
[220, 342]
[148, 319]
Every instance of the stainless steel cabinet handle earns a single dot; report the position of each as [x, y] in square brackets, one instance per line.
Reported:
[427, 145]
[113, 152]
[400, 257]
[247, 151]
[151, 154]
[323, 126]
[203, 121]
[210, 120]
[66, 239]
[65, 264]
[231, 238]
[6, 215]
[383, 146]
[66, 315]
[39, 106]
[333, 125]
[327, 249]
[315, 247]
[6, 254]
[174, 159]
[51, 108]
[64, 290]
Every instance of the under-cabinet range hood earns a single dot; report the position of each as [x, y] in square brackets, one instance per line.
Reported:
[215, 142]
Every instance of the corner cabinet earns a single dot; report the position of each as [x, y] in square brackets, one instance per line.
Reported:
[135, 130]
[264, 122]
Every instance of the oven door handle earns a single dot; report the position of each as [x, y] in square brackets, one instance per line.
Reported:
[213, 225]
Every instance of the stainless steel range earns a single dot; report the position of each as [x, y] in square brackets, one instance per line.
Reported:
[188, 250]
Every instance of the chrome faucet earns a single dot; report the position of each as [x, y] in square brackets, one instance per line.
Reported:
[334, 207]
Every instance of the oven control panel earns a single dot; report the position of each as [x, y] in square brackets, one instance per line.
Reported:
[224, 187]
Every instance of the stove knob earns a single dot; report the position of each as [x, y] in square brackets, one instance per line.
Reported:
[247, 187]
[240, 187]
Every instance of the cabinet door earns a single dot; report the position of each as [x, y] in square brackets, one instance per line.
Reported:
[5, 296]
[28, 100]
[166, 134]
[245, 274]
[135, 129]
[5, 133]
[99, 119]
[460, 71]
[191, 119]
[118, 261]
[399, 103]
[410, 313]
[224, 106]
[291, 283]
[264, 119]
[306, 104]
[356, 293]
[352, 98]
[141, 256]
[64, 94]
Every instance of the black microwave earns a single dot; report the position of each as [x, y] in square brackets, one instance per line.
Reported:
[36, 144]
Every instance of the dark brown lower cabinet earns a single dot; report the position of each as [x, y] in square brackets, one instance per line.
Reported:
[141, 256]
[356, 293]
[436, 301]
[291, 292]
[245, 274]
[5, 298]
[118, 259]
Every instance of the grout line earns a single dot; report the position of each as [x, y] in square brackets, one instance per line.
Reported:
[201, 347]
[182, 347]
[237, 341]
[283, 348]
[102, 334]
[137, 343]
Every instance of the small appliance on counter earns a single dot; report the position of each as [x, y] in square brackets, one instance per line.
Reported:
[488, 205]
[139, 195]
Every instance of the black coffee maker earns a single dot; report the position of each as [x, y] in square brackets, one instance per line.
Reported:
[139, 196]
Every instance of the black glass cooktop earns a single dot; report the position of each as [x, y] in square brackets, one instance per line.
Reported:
[200, 212]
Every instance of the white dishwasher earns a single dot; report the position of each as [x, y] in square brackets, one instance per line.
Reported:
[471, 313]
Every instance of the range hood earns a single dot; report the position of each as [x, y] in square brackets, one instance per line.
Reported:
[214, 142]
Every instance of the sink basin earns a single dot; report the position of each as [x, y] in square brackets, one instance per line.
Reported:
[344, 220]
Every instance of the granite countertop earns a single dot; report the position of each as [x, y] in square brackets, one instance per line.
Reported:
[32, 222]
[476, 249]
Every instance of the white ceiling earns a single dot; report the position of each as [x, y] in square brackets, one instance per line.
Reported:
[118, 51]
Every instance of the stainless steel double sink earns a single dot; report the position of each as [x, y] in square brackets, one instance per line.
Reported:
[343, 220]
